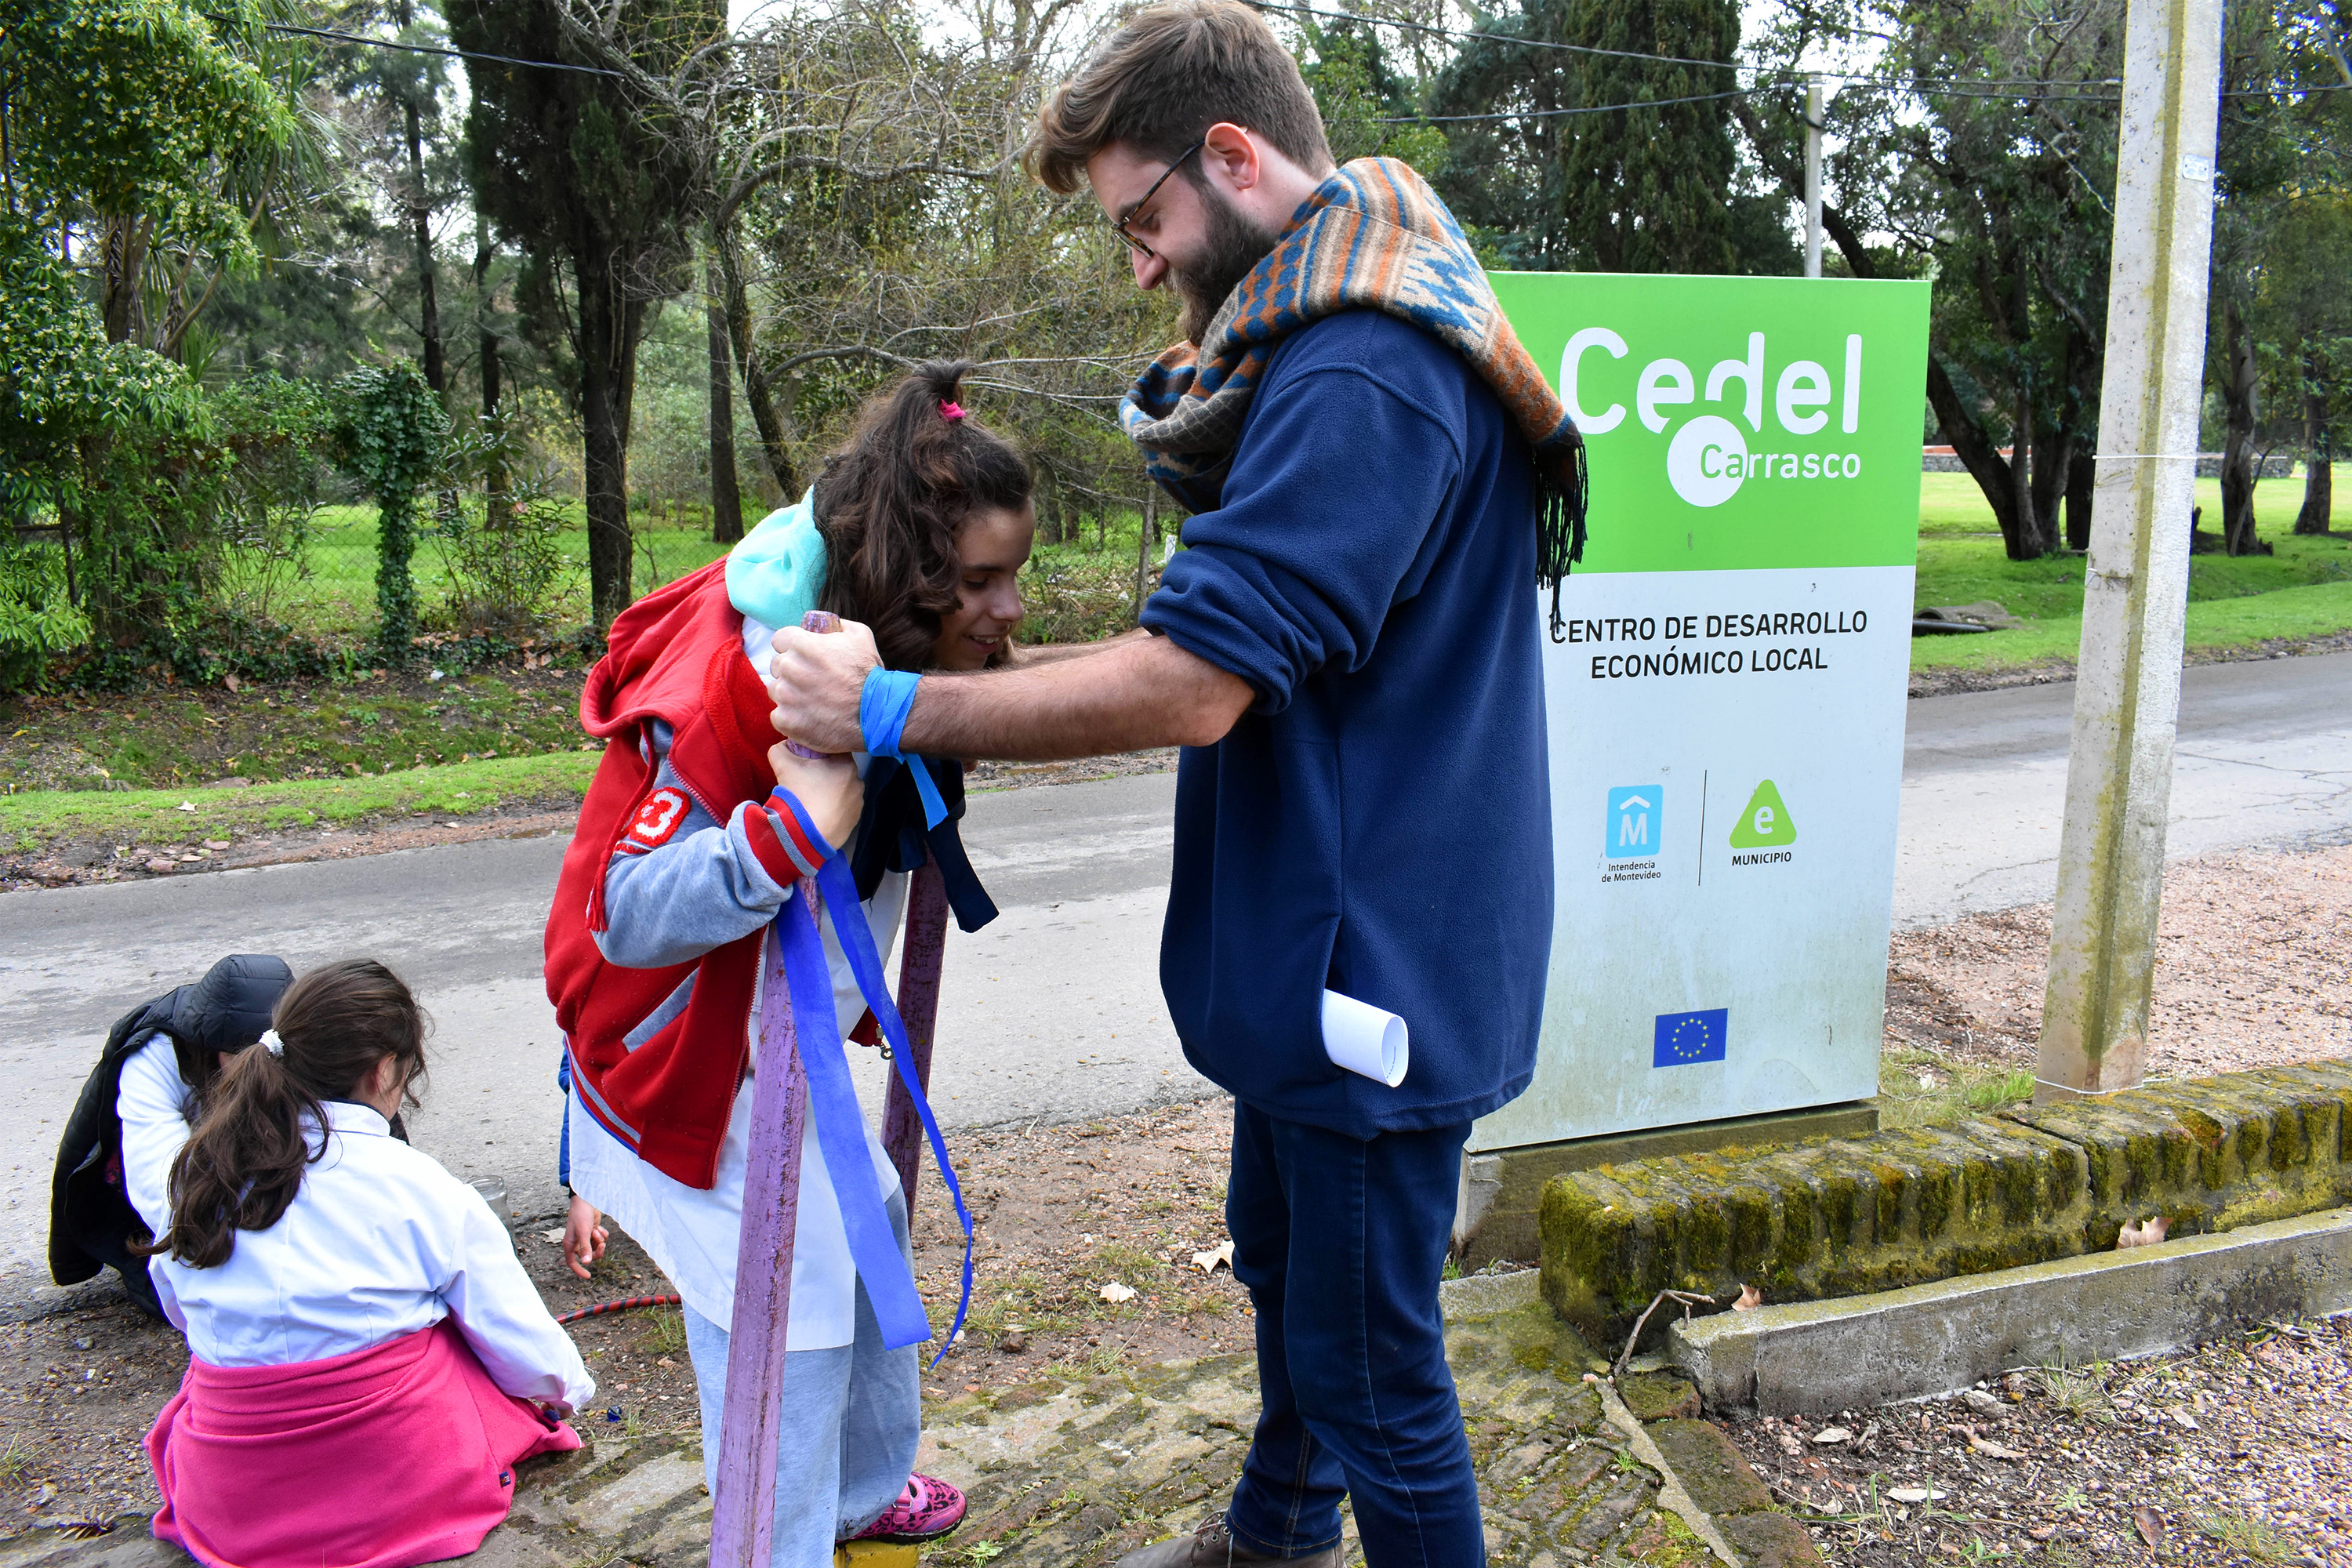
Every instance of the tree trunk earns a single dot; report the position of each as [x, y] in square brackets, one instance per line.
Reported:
[604, 449]
[756, 391]
[494, 483]
[122, 256]
[420, 215]
[725, 499]
[1977, 453]
[2238, 391]
[2082, 476]
[428, 309]
[2318, 475]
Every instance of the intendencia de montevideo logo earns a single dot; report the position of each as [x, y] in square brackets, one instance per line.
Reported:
[1709, 458]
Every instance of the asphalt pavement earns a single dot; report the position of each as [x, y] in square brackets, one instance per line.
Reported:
[1052, 1012]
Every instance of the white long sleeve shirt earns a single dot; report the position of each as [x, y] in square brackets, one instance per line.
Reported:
[379, 1242]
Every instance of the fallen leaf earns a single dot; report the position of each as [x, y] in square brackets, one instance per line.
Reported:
[1991, 1449]
[1829, 1437]
[2147, 1233]
[2185, 1418]
[2151, 1527]
[1116, 1292]
[554, 1237]
[231, 681]
[1913, 1494]
[186, 805]
[1750, 1297]
[1206, 1262]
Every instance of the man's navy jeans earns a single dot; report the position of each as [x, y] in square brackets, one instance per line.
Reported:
[1341, 1242]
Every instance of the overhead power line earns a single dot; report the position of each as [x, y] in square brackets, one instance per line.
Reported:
[2065, 91]
[333, 37]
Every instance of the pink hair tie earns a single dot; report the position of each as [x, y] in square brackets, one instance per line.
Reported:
[949, 410]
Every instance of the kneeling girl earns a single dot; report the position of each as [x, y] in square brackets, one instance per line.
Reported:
[345, 1298]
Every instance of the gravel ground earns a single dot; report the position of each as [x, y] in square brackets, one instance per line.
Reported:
[2254, 967]
[2233, 1453]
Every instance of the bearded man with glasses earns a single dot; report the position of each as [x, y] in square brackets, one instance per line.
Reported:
[1383, 489]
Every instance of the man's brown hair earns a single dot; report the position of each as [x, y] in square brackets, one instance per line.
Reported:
[1157, 84]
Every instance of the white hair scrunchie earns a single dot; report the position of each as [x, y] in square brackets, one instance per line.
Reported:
[272, 1044]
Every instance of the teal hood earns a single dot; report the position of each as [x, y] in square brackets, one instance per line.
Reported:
[776, 574]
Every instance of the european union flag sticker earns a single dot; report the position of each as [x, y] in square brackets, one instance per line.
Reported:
[1684, 1039]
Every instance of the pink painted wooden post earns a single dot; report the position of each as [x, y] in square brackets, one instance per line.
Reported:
[743, 1512]
[919, 964]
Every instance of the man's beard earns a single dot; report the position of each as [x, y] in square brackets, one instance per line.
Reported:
[1233, 245]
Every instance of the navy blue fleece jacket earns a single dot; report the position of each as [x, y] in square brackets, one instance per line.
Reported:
[1378, 822]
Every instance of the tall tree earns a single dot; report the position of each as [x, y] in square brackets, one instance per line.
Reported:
[587, 178]
[1550, 171]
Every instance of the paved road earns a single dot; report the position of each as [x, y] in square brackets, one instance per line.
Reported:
[1052, 1012]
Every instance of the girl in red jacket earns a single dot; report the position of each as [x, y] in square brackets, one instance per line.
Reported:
[686, 852]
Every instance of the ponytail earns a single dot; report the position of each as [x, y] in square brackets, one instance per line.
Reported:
[244, 1163]
[891, 503]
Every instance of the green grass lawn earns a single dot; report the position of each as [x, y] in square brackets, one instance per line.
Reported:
[2304, 590]
[334, 599]
[139, 816]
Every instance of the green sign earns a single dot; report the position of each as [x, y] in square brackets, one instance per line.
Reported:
[1754, 427]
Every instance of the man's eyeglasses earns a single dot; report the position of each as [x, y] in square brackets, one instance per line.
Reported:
[1119, 227]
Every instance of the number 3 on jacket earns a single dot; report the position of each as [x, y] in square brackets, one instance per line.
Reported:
[656, 822]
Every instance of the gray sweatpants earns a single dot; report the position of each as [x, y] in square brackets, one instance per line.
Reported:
[851, 1419]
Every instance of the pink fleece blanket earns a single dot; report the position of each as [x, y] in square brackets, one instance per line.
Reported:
[400, 1454]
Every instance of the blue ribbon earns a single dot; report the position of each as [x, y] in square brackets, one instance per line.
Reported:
[883, 704]
[832, 1099]
[857, 945]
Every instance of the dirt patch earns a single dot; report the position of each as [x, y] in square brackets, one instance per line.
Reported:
[2233, 1453]
[1062, 1211]
[69, 862]
[2254, 966]
[1943, 680]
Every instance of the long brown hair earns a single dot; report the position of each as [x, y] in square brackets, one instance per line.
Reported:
[891, 503]
[244, 1163]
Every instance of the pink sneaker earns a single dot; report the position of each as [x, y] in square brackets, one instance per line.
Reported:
[927, 1510]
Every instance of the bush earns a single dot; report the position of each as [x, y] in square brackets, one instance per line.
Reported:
[501, 515]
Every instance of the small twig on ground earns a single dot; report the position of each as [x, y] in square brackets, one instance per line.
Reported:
[1689, 1299]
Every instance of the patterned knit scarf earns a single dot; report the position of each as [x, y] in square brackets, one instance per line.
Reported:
[1373, 237]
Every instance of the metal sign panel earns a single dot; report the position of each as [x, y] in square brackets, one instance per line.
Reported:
[1725, 700]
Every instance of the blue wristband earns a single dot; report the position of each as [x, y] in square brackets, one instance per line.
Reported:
[888, 697]
[790, 805]
[883, 706]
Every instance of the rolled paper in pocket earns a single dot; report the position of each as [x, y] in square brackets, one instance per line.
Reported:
[815, 621]
[1363, 1039]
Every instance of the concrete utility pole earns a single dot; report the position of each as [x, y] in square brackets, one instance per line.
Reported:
[1813, 175]
[2127, 683]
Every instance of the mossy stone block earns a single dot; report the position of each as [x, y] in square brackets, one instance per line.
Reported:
[1767, 1540]
[1659, 1396]
[1839, 1216]
[1710, 1468]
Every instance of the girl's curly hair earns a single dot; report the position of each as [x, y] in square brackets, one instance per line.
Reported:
[891, 503]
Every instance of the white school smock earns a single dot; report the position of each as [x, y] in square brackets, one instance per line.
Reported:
[379, 1242]
[693, 1235]
[154, 1103]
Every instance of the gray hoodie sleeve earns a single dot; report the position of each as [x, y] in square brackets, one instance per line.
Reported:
[681, 882]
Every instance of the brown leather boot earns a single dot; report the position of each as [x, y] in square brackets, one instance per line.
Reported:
[1213, 1546]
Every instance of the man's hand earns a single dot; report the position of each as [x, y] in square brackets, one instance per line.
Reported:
[584, 1237]
[828, 789]
[815, 680]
